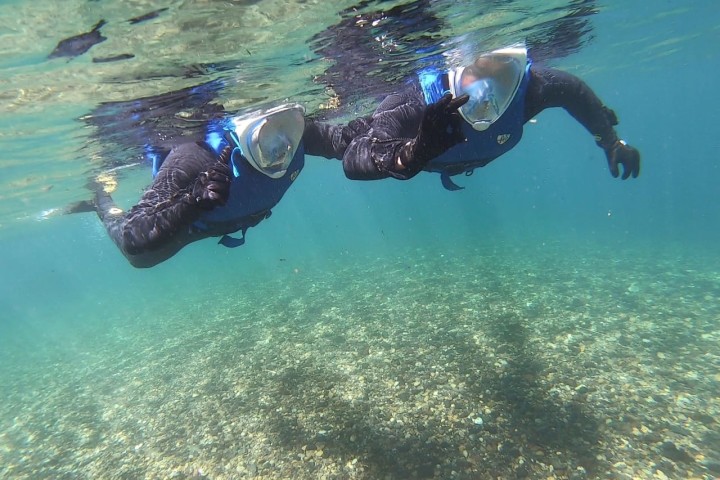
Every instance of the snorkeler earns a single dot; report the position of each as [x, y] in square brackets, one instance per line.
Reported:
[503, 91]
[225, 184]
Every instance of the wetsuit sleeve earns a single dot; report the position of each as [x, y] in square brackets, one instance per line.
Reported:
[331, 141]
[554, 88]
[166, 208]
[372, 154]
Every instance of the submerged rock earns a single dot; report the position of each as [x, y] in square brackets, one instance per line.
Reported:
[669, 450]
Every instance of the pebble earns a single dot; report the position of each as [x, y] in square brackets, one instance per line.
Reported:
[582, 389]
[659, 474]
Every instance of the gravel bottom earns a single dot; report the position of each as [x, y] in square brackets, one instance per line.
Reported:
[509, 363]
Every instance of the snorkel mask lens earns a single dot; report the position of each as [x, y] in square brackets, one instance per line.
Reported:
[269, 140]
[274, 149]
[491, 82]
[482, 106]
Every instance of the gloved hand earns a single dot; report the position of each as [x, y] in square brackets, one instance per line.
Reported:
[440, 129]
[622, 153]
[212, 187]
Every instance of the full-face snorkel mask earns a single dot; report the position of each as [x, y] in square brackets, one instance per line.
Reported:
[269, 139]
[491, 82]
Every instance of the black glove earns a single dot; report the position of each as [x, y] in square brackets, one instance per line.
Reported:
[622, 153]
[440, 129]
[212, 187]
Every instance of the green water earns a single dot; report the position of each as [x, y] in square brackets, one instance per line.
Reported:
[548, 321]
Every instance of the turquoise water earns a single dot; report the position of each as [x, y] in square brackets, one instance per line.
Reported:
[547, 321]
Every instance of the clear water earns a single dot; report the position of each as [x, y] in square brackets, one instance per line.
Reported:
[365, 328]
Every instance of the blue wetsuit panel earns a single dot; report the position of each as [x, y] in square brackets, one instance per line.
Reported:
[252, 193]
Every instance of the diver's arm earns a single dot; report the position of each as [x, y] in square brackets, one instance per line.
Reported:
[330, 141]
[376, 152]
[405, 135]
[192, 179]
[554, 88]
[549, 88]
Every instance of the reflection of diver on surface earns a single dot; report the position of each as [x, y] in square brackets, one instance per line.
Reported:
[373, 50]
[149, 127]
[505, 91]
[357, 47]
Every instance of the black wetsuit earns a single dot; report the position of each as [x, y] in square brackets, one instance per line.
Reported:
[160, 224]
[377, 139]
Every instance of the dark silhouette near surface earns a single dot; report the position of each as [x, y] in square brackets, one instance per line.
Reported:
[79, 44]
